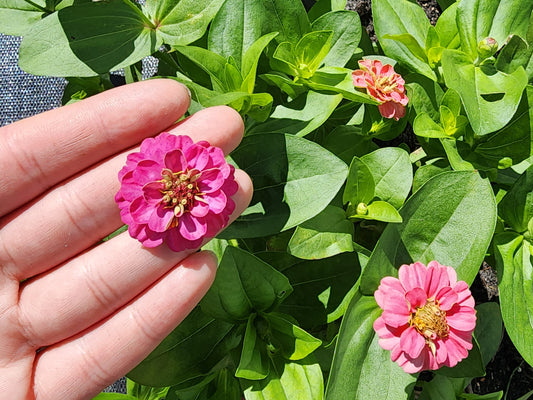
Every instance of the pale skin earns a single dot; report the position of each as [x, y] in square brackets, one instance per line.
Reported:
[76, 314]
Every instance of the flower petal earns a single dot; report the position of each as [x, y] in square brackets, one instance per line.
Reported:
[217, 201]
[446, 297]
[461, 318]
[412, 342]
[197, 157]
[395, 319]
[160, 219]
[412, 276]
[210, 180]
[436, 277]
[416, 297]
[192, 228]
[199, 209]
[387, 286]
[147, 171]
[358, 78]
[175, 161]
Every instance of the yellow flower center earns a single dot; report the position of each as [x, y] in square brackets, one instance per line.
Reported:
[430, 321]
[180, 190]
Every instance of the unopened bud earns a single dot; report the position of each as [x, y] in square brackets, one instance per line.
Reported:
[487, 47]
[361, 209]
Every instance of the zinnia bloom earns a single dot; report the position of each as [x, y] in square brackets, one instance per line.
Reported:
[384, 85]
[176, 191]
[428, 317]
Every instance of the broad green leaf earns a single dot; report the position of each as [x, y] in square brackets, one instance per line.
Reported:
[301, 380]
[338, 80]
[254, 363]
[250, 61]
[515, 140]
[489, 329]
[235, 28]
[300, 116]
[513, 256]
[284, 182]
[291, 341]
[114, 396]
[424, 95]
[526, 396]
[360, 186]
[286, 85]
[183, 22]
[288, 17]
[441, 388]
[490, 100]
[208, 61]
[346, 27]
[516, 208]
[87, 40]
[408, 40]
[437, 225]
[227, 385]
[142, 392]
[192, 350]
[446, 28]
[325, 235]
[18, 16]
[450, 145]
[378, 211]
[321, 289]
[244, 284]
[393, 174]
[452, 101]
[514, 54]
[361, 369]
[428, 171]
[424, 126]
[479, 19]
[347, 141]
[488, 396]
[400, 17]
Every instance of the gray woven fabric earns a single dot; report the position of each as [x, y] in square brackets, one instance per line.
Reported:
[23, 95]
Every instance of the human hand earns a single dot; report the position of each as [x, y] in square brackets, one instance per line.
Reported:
[85, 313]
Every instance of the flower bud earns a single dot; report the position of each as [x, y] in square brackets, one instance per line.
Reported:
[487, 47]
[362, 209]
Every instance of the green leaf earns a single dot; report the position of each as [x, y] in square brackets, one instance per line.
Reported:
[347, 141]
[401, 17]
[428, 171]
[288, 17]
[346, 27]
[18, 16]
[513, 256]
[489, 329]
[142, 392]
[183, 22]
[361, 369]
[321, 289]
[114, 396]
[284, 182]
[479, 19]
[88, 39]
[300, 380]
[446, 28]
[208, 61]
[441, 388]
[393, 174]
[360, 186]
[300, 116]
[235, 28]
[514, 54]
[450, 145]
[286, 85]
[378, 211]
[514, 141]
[244, 284]
[408, 40]
[291, 341]
[192, 350]
[516, 207]
[526, 396]
[338, 80]
[490, 100]
[302, 59]
[254, 363]
[437, 225]
[424, 126]
[325, 235]
[250, 61]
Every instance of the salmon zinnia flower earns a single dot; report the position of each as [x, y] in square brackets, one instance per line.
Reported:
[428, 317]
[176, 191]
[384, 85]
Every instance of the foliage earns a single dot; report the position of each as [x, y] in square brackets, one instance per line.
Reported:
[337, 206]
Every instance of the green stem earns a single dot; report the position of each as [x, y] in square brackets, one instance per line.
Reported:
[139, 12]
[43, 9]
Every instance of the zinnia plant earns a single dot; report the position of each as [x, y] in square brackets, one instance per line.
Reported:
[384, 85]
[428, 317]
[176, 191]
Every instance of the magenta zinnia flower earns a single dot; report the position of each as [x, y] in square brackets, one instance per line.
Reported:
[176, 191]
[428, 317]
[384, 85]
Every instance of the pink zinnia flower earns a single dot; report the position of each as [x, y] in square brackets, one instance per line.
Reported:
[384, 85]
[428, 317]
[176, 191]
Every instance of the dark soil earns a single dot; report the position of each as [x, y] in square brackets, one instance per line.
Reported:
[507, 371]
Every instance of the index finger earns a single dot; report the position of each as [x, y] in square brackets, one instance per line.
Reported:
[38, 152]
